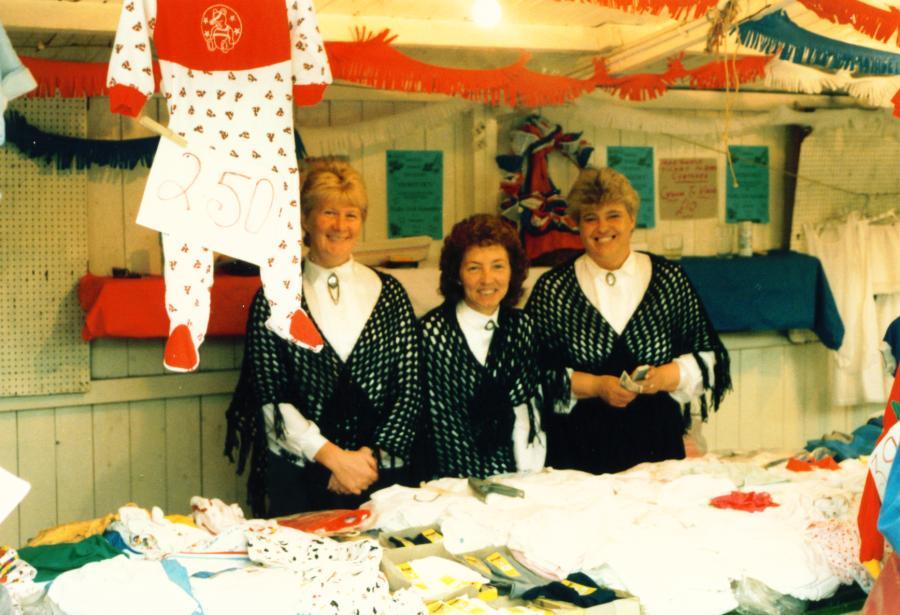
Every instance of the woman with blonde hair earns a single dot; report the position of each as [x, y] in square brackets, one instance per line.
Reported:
[612, 311]
[322, 430]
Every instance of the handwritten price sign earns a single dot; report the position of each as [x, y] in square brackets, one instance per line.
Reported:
[226, 205]
[688, 188]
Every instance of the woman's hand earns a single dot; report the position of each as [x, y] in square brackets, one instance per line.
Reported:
[661, 378]
[609, 390]
[351, 471]
[606, 388]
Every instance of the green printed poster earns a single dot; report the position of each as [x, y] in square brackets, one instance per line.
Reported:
[749, 200]
[415, 185]
[636, 163]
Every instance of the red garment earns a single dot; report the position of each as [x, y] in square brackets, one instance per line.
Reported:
[807, 465]
[871, 540]
[326, 521]
[751, 501]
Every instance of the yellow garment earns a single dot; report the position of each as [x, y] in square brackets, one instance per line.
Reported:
[874, 567]
[72, 532]
[79, 530]
[182, 519]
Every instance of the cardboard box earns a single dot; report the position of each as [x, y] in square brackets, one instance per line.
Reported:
[392, 559]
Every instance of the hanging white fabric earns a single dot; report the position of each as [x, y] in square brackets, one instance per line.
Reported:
[843, 249]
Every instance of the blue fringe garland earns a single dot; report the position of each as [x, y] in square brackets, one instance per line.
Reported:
[66, 151]
[776, 31]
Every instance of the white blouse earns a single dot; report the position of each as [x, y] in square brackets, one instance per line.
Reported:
[618, 301]
[478, 329]
[341, 324]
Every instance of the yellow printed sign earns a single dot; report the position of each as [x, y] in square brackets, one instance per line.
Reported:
[477, 564]
[432, 535]
[502, 564]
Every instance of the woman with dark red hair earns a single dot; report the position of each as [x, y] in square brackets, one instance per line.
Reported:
[483, 385]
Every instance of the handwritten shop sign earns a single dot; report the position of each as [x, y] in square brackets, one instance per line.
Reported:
[688, 188]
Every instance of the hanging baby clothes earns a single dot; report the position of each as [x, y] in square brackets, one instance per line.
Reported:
[227, 75]
[843, 251]
[15, 79]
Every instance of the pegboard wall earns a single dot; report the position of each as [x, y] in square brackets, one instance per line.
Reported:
[844, 169]
[43, 252]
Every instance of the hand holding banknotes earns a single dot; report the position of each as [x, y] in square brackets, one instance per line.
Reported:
[634, 381]
[650, 379]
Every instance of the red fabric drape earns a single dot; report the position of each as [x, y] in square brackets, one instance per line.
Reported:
[125, 307]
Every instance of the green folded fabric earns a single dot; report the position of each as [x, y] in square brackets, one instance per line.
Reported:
[53, 560]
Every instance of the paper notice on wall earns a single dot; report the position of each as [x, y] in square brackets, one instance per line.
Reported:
[225, 204]
[688, 188]
[12, 491]
[747, 191]
[415, 193]
[636, 163]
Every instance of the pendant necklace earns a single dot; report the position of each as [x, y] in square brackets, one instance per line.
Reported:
[334, 288]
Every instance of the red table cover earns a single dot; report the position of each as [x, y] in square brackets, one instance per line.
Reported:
[135, 307]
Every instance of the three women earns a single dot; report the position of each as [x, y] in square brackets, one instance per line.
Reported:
[322, 430]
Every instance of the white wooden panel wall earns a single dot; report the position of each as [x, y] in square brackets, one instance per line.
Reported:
[86, 461]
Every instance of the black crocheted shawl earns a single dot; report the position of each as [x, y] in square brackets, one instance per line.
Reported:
[670, 321]
[470, 405]
[373, 399]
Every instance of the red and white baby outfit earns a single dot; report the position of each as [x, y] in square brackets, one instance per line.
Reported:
[230, 74]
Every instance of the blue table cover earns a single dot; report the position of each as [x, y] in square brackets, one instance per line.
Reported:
[777, 291]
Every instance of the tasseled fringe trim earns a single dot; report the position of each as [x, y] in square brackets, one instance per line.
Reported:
[721, 386]
[776, 32]
[72, 79]
[877, 23]
[66, 151]
[722, 73]
[643, 86]
[784, 75]
[875, 91]
[372, 61]
[82, 153]
[677, 9]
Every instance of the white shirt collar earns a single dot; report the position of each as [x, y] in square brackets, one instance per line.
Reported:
[314, 273]
[472, 319]
[628, 268]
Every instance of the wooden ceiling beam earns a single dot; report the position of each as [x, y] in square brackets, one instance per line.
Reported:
[96, 17]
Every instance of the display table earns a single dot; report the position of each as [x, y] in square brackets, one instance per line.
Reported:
[779, 291]
[134, 307]
[774, 292]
